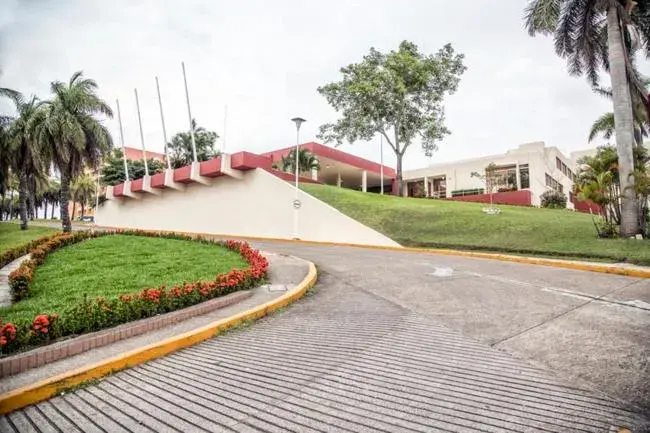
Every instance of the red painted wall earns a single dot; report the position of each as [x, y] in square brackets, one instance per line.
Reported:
[516, 198]
[587, 206]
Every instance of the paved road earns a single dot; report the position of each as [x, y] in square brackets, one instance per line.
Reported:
[397, 342]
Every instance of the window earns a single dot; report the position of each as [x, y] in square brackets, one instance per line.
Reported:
[524, 176]
[558, 163]
[554, 184]
[501, 178]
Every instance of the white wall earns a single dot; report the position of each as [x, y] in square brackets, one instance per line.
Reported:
[258, 205]
[540, 160]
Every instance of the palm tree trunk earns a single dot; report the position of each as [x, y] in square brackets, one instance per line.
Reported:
[624, 123]
[44, 209]
[11, 205]
[22, 197]
[65, 198]
[83, 207]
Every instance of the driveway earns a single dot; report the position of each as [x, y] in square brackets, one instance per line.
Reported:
[397, 341]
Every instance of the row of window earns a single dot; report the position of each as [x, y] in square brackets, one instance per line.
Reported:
[560, 165]
[554, 184]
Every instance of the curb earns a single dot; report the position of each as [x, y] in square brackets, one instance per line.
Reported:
[586, 266]
[47, 388]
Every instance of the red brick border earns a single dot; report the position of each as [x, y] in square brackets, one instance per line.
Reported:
[53, 352]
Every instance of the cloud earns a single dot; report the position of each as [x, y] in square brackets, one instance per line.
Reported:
[266, 59]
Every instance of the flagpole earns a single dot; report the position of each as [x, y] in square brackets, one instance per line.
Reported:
[162, 120]
[119, 118]
[144, 152]
[189, 114]
[225, 120]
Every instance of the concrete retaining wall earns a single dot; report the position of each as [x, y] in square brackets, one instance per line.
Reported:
[258, 205]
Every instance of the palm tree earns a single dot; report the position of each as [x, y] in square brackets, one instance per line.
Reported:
[51, 196]
[5, 146]
[27, 151]
[82, 191]
[594, 34]
[605, 126]
[75, 137]
[306, 161]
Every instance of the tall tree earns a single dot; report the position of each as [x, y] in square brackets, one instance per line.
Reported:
[180, 148]
[27, 152]
[398, 95]
[595, 34]
[76, 137]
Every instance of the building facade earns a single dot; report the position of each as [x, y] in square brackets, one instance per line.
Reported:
[532, 167]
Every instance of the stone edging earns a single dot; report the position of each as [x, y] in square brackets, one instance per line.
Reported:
[37, 357]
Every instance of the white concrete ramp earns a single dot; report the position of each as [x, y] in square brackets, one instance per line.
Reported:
[254, 203]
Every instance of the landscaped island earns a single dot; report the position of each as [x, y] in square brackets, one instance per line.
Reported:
[86, 281]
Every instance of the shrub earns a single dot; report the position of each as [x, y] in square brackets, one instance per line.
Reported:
[91, 315]
[553, 200]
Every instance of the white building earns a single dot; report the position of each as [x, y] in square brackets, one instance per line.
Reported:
[531, 166]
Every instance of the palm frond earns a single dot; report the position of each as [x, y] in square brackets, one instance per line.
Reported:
[603, 125]
[541, 16]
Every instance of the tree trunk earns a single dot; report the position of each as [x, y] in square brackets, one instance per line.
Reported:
[11, 205]
[624, 124]
[2, 206]
[65, 198]
[22, 197]
[44, 209]
[401, 191]
[83, 208]
[53, 203]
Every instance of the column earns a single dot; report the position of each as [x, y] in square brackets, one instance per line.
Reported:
[364, 181]
[426, 186]
[339, 181]
[518, 177]
[314, 173]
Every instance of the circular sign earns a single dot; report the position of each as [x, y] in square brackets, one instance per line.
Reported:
[297, 204]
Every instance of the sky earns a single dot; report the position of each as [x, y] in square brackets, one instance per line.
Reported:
[265, 59]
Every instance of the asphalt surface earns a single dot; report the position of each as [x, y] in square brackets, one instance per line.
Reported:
[397, 342]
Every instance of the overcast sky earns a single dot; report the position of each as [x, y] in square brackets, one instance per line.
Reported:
[265, 59]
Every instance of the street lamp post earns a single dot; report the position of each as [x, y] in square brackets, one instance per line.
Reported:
[296, 203]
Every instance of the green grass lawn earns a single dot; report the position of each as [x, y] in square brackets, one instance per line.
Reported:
[450, 224]
[113, 265]
[11, 235]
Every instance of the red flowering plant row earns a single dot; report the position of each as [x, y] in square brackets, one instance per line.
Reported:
[91, 315]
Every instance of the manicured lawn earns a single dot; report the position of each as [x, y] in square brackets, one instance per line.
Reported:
[11, 235]
[442, 223]
[111, 265]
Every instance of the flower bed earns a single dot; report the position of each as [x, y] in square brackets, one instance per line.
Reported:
[94, 314]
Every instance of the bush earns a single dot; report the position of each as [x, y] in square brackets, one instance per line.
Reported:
[553, 200]
[90, 315]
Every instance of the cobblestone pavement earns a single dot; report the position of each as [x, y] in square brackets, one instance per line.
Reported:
[387, 342]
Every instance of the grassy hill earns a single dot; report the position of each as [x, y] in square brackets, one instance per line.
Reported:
[450, 224]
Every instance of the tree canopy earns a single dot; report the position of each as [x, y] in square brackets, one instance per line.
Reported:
[398, 94]
[180, 148]
[113, 169]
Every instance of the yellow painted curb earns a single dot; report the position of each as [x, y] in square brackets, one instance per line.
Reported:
[586, 266]
[47, 388]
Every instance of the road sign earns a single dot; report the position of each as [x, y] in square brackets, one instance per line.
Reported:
[297, 204]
